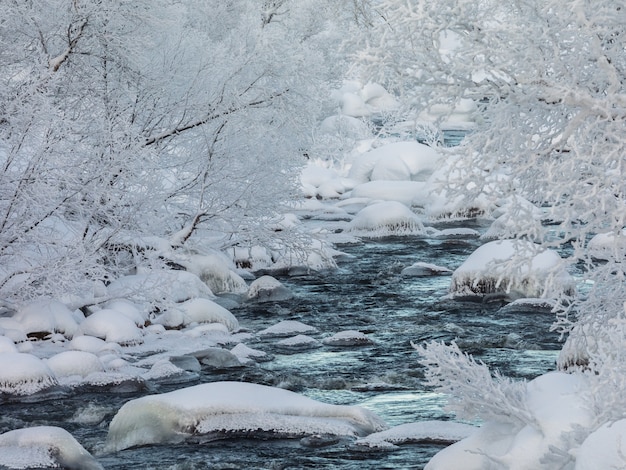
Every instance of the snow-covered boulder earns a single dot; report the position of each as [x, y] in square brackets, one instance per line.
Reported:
[348, 338]
[608, 246]
[46, 316]
[232, 409]
[511, 266]
[409, 193]
[421, 269]
[24, 374]
[385, 219]
[74, 364]
[7, 345]
[423, 431]
[268, 289]
[129, 309]
[197, 311]
[44, 447]
[397, 161]
[603, 448]
[111, 326]
[297, 343]
[287, 328]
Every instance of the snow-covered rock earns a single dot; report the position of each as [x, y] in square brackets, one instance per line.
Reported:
[421, 269]
[608, 246]
[397, 161]
[197, 311]
[298, 343]
[46, 316]
[44, 447]
[268, 289]
[603, 448]
[217, 271]
[385, 219]
[423, 431]
[348, 338]
[287, 328]
[111, 326]
[409, 193]
[24, 374]
[232, 409]
[536, 273]
[74, 363]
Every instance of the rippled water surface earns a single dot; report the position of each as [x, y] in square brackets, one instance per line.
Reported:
[367, 293]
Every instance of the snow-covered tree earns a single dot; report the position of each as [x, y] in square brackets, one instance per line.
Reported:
[121, 121]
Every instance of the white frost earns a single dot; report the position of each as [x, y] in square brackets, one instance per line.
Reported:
[384, 219]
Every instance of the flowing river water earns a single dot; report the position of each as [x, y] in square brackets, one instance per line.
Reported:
[366, 293]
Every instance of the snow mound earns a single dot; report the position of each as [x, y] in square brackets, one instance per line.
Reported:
[45, 317]
[423, 431]
[111, 326]
[489, 269]
[24, 374]
[197, 311]
[348, 338]
[232, 409]
[92, 344]
[74, 363]
[44, 447]
[287, 328]
[7, 345]
[397, 161]
[603, 448]
[268, 289]
[421, 269]
[385, 219]
[129, 309]
[608, 246]
[245, 353]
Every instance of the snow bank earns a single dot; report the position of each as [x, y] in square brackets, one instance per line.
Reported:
[24, 374]
[232, 409]
[44, 447]
[384, 219]
[556, 406]
[197, 311]
[511, 266]
[423, 431]
[397, 161]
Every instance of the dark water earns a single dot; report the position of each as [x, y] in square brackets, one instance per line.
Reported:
[368, 294]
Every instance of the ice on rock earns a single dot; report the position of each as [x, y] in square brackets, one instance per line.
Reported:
[46, 317]
[44, 447]
[268, 289]
[217, 358]
[24, 374]
[539, 273]
[287, 328]
[423, 431]
[74, 363]
[348, 338]
[246, 353]
[197, 311]
[385, 219]
[232, 409]
[111, 325]
[217, 271]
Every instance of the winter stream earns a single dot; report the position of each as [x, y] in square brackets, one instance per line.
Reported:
[367, 293]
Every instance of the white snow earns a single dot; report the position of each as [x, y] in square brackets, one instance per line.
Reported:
[7, 345]
[232, 408]
[608, 246]
[425, 269]
[216, 270]
[603, 448]
[44, 447]
[24, 374]
[384, 219]
[298, 342]
[539, 273]
[409, 193]
[287, 328]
